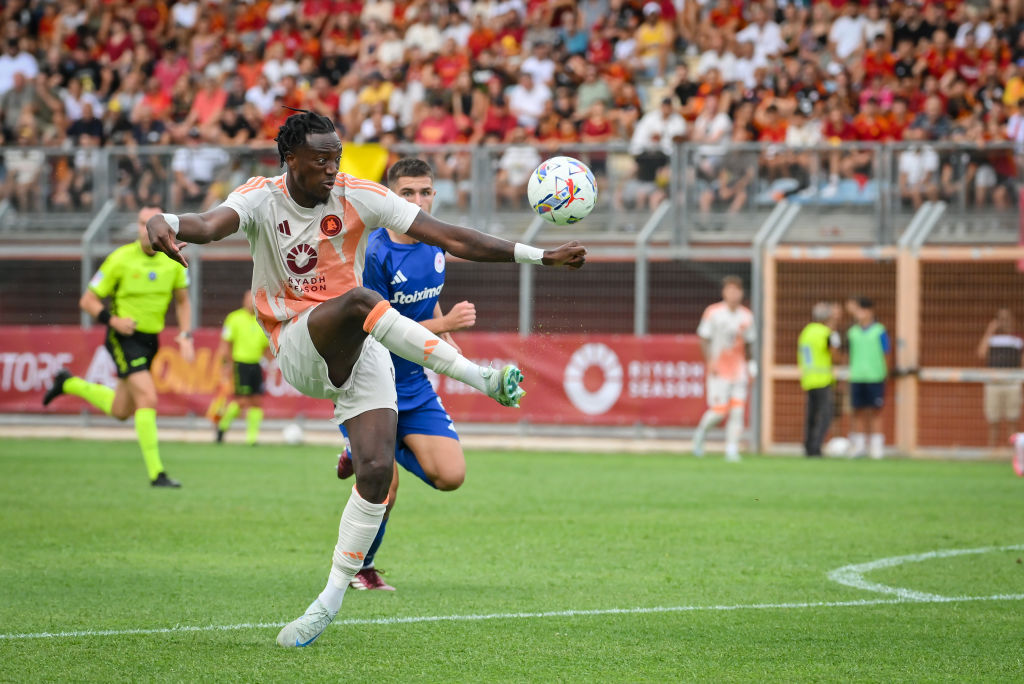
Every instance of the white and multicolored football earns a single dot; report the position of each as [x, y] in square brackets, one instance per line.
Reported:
[562, 190]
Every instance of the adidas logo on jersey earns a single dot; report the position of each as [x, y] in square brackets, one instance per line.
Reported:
[399, 278]
[425, 293]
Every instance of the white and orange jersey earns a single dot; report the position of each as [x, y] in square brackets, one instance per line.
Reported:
[728, 332]
[303, 256]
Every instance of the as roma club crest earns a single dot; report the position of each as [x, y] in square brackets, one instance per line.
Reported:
[330, 225]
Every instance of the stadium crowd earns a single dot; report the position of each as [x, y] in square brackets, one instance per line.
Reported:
[204, 75]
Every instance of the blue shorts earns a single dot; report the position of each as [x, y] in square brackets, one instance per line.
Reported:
[429, 418]
[867, 394]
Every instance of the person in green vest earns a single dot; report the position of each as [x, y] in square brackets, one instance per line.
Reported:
[140, 283]
[814, 357]
[242, 344]
[869, 347]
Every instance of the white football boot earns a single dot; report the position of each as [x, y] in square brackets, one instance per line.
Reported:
[305, 630]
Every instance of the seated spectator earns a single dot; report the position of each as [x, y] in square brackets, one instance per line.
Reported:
[147, 130]
[516, 164]
[932, 122]
[771, 128]
[20, 97]
[24, 167]
[233, 129]
[663, 124]
[87, 124]
[16, 60]
[728, 188]
[526, 100]
[654, 38]
[918, 174]
[377, 125]
[762, 32]
[75, 97]
[497, 121]
[437, 127]
[195, 169]
[802, 132]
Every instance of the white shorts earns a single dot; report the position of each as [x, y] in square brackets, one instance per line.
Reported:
[371, 385]
[724, 394]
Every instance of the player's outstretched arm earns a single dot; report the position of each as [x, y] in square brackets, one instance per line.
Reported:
[166, 230]
[473, 245]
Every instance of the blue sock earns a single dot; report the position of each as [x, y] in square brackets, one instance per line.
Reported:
[407, 460]
[368, 558]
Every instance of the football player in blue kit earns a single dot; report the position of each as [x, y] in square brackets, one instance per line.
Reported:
[410, 275]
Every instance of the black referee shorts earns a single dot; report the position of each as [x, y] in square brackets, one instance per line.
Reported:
[248, 379]
[131, 353]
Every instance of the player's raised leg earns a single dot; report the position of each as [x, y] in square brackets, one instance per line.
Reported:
[329, 328]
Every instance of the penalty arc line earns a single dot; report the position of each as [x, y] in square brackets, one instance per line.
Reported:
[515, 616]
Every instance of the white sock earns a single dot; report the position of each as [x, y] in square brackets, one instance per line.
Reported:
[710, 419]
[857, 443]
[877, 445]
[359, 524]
[733, 428]
[410, 340]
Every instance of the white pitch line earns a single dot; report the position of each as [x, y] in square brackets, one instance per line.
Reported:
[853, 575]
[513, 616]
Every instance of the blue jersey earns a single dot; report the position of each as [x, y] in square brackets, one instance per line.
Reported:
[410, 277]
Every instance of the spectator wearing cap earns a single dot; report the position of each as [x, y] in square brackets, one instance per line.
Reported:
[654, 37]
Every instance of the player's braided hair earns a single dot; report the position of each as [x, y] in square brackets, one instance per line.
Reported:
[298, 127]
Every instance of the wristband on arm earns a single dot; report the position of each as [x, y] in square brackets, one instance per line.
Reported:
[525, 254]
[104, 316]
[173, 221]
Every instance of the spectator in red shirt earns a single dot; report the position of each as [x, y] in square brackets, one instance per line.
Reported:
[878, 61]
[437, 127]
[900, 118]
[450, 63]
[497, 121]
[481, 37]
[871, 125]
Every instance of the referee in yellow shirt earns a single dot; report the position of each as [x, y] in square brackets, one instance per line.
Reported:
[140, 283]
[243, 343]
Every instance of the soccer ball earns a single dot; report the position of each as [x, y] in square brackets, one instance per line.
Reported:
[562, 190]
[292, 434]
[837, 446]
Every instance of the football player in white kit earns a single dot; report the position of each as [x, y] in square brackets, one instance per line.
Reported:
[307, 231]
[727, 337]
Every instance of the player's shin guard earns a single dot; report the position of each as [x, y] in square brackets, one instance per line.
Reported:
[410, 340]
[359, 525]
[230, 413]
[253, 419]
[145, 430]
[100, 396]
[375, 546]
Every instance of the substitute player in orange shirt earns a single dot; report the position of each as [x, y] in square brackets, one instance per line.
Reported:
[307, 232]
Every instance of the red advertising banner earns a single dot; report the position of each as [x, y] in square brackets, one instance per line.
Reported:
[654, 380]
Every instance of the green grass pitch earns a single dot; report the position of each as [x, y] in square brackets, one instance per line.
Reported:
[87, 547]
